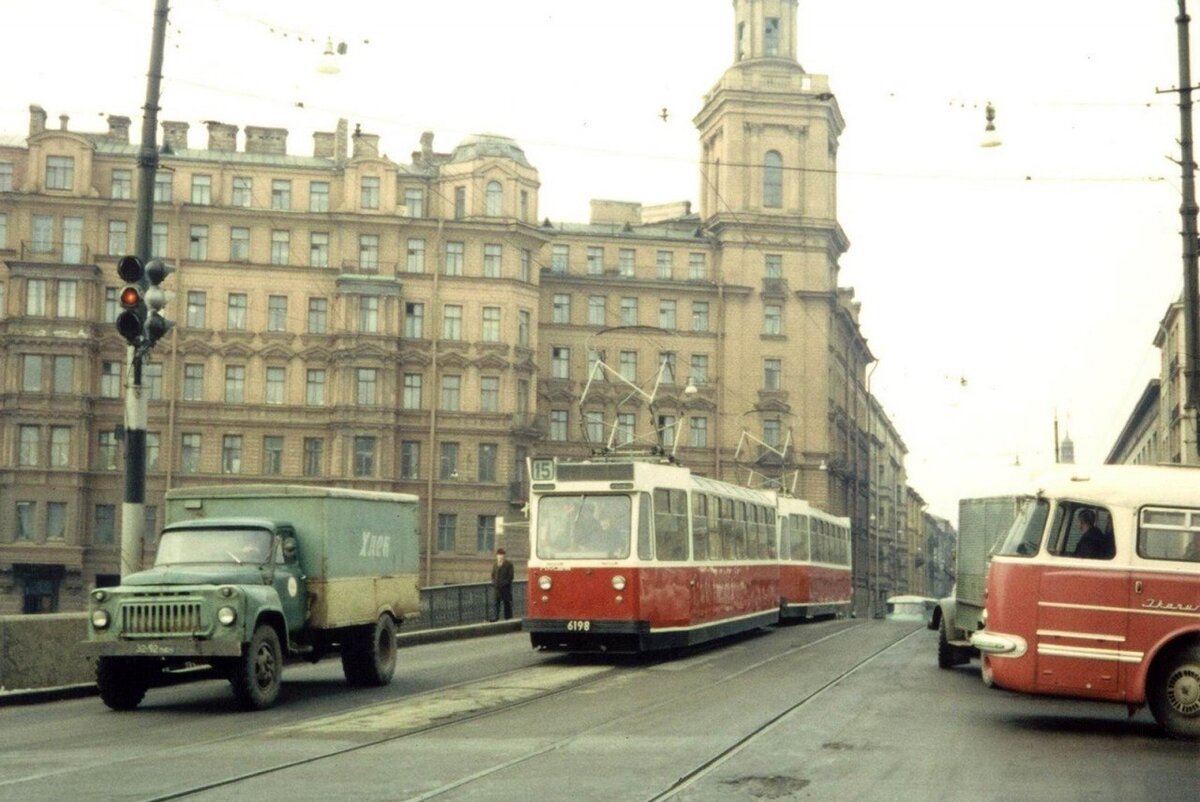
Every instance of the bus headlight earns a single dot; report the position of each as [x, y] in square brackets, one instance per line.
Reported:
[618, 582]
[544, 582]
[227, 616]
[100, 619]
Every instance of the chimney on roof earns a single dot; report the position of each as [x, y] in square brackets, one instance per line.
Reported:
[426, 146]
[341, 141]
[175, 135]
[62, 122]
[222, 136]
[323, 144]
[37, 120]
[365, 145]
[118, 128]
[270, 141]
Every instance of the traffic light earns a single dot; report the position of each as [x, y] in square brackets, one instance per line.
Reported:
[155, 325]
[133, 305]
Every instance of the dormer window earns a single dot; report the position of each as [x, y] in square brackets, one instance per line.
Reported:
[60, 172]
[771, 37]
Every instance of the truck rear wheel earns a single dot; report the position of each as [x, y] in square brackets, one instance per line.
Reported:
[1174, 694]
[122, 681]
[256, 675]
[369, 653]
[948, 654]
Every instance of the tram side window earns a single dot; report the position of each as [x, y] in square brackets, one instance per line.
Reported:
[771, 532]
[785, 536]
[699, 526]
[714, 528]
[740, 533]
[754, 546]
[1169, 534]
[800, 537]
[670, 525]
[731, 542]
[645, 547]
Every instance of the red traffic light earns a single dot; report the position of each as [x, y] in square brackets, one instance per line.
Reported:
[131, 297]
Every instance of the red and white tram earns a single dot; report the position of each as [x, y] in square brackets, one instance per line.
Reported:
[814, 561]
[636, 555]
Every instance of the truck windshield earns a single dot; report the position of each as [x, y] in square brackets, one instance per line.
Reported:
[583, 527]
[1025, 535]
[251, 546]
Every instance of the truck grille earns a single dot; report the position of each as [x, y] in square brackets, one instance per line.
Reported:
[160, 618]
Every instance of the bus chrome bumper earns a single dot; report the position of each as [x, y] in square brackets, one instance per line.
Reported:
[999, 645]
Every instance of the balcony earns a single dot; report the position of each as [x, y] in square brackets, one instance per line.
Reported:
[63, 253]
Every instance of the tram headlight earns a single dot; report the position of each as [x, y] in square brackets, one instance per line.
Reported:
[618, 582]
[227, 616]
[544, 582]
[100, 619]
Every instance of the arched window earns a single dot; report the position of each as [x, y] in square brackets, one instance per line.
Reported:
[773, 180]
[494, 197]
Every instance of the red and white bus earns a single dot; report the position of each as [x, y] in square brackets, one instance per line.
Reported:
[633, 555]
[814, 561]
[1095, 592]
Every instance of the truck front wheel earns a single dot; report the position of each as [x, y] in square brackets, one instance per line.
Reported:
[122, 681]
[369, 653]
[1174, 694]
[256, 675]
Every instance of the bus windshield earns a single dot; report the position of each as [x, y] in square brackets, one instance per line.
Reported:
[583, 527]
[1025, 535]
[251, 546]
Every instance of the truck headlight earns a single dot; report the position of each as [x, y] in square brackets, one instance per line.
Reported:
[227, 616]
[544, 582]
[618, 582]
[100, 619]
[100, 595]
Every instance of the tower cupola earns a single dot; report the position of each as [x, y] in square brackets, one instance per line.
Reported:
[764, 29]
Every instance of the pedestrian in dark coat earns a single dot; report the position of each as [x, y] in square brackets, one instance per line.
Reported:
[502, 580]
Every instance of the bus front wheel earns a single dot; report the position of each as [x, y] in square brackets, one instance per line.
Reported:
[1174, 694]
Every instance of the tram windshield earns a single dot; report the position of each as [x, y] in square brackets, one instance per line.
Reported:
[583, 527]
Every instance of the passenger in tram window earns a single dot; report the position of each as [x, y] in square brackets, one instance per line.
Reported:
[1093, 543]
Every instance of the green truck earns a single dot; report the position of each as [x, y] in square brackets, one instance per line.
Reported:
[246, 576]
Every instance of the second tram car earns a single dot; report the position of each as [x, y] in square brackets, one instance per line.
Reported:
[814, 562]
[636, 555]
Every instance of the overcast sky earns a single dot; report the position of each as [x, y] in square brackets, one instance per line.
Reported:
[1000, 286]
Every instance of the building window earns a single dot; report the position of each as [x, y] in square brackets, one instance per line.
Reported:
[460, 203]
[665, 427]
[664, 263]
[275, 379]
[596, 310]
[67, 293]
[29, 446]
[485, 534]
[697, 267]
[454, 259]
[110, 304]
[25, 511]
[56, 520]
[202, 190]
[235, 314]
[3, 230]
[414, 202]
[771, 433]
[198, 243]
[162, 186]
[318, 249]
[31, 374]
[158, 240]
[415, 262]
[558, 425]
[410, 459]
[414, 320]
[239, 244]
[366, 386]
[272, 464]
[666, 315]
[231, 453]
[318, 315]
[106, 520]
[368, 314]
[106, 451]
[451, 385]
[487, 462]
[772, 319]
[197, 301]
[773, 180]
[494, 199]
[629, 311]
[523, 323]
[489, 394]
[627, 363]
[560, 257]
[522, 397]
[281, 194]
[560, 363]
[64, 375]
[773, 265]
[314, 448]
[118, 237]
[491, 324]
[72, 240]
[698, 433]
[110, 380]
[153, 450]
[318, 196]
[235, 384]
[526, 262]
[667, 360]
[189, 453]
[491, 261]
[43, 233]
[625, 427]
[447, 527]
[193, 382]
[593, 424]
[561, 310]
[122, 184]
[448, 462]
[772, 374]
[625, 259]
[150, 522]
[524, 205]
[364, 456]
[241, 191]
[699, 369]
[6, 176]
[369, 192]
[595, 261]
[314, 387]
[60, 446]
[771, 37]
[451, 322]
[152, 380]
[281, 246]
[699, 315]
[412, 390]
[60, 172]
[369, 251]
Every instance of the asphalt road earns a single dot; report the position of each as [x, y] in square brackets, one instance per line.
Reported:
[839, 710]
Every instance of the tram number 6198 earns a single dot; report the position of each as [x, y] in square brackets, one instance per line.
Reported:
[579, 626]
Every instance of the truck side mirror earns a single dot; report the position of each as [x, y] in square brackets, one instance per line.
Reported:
[289, 548]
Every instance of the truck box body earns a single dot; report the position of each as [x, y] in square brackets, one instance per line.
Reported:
[982, 522]
[357, 549]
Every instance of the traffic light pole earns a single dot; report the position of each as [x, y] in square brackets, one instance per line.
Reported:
[133, 519]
